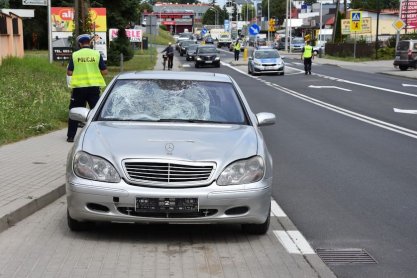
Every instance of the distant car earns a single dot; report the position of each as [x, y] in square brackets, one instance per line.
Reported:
[207, 55]
[297, 44]
[191, 52]
[168, 147]
[260, 42]
[265, 60]
[406, 54]
[317, 49]
[184, 45]
[208, 40]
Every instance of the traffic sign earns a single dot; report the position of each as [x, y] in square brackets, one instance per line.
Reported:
[254, 29]
[356, 21]
[203, 31]
[399, 24]
[35, 2]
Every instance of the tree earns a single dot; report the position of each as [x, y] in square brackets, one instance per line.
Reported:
[4, 4]
[249, 11]
[120, 13]
[120, 45]
[276, 8]
[373, 4]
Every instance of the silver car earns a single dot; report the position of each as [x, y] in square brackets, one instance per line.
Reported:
[169, 147]
[266, 60]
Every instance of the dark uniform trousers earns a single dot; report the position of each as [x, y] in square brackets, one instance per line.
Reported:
[79, 98]
[307, 65]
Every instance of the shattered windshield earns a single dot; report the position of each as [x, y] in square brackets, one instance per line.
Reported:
[173, 100]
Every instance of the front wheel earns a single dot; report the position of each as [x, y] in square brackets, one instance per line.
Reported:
[197, 65]
[403, 67]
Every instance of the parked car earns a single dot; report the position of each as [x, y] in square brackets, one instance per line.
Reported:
[207, 55]
[184, 45]
[166, 147]
[191, 52]
[265, 60]
[297, 44]
[406, 54]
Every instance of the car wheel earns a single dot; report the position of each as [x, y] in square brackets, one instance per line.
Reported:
[282, 73]
[181, 54]
[77, 226]
[218, 65]
[186, 58]
[403, 67]
[197, 65]
[258, 229]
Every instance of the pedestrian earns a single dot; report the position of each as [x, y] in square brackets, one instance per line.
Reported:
[169, 50]
[236, 47]
[307, 55]
[86, 69]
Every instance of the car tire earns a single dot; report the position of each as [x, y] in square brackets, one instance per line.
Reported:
[77, 226]
[218, 65]
[181, 54]
[402, 67]
[282, 73]
[197, 65]
[258, 229]
[186, 58]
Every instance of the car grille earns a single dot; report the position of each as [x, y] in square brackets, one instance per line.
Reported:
[168, 173]
[208, 58]
[198, 214]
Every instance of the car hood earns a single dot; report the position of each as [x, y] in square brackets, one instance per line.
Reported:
[207, 54]
[116, 141]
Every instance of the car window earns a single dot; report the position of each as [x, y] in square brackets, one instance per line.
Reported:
[415, 46]
[266, 54]
[173, 100]
[403, 45]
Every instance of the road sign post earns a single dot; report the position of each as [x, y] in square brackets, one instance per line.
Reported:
[355, 26]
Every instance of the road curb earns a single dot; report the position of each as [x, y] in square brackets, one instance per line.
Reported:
[22, 208]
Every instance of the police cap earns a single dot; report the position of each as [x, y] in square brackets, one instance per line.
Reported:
[83, 38]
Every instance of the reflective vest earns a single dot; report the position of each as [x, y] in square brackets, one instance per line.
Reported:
[86, 70]
[237, 46]
[308, 51]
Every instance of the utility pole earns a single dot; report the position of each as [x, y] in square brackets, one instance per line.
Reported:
[335, 20]
[377, 27]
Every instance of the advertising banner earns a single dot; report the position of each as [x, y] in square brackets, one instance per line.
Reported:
[134, 35]
[62, 20]
[409, 13]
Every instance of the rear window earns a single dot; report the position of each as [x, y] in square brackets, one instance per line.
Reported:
[403, 45]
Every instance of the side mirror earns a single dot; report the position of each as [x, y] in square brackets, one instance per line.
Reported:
[79, 114]
[265, 118]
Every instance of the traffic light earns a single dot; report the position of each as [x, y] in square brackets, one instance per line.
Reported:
[271, 27]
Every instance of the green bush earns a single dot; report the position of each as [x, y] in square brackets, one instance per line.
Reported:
[121, 45]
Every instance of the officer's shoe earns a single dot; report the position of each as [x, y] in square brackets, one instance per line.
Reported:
[70, 139]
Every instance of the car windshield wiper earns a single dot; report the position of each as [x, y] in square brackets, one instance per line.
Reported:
[189, 121]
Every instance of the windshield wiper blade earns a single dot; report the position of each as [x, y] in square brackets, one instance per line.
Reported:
[188, 121]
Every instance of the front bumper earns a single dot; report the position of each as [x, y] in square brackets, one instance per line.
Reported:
[269, 69]
[96, 201]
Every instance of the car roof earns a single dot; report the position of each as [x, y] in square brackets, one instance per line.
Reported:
[170, 75]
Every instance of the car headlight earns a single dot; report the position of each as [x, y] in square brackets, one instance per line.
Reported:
[198, 58]
[94, 168]
[243, 172]
[217, 58]
[257, 63]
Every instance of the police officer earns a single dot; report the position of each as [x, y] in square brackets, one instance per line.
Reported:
[169, 50]
[86, 69]
[236, 48]
[307, 55]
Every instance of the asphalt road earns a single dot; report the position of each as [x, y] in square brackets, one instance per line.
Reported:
[345, 162]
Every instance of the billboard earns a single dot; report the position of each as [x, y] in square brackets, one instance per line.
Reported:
[409, 13]
[134, 35]
[62, 21]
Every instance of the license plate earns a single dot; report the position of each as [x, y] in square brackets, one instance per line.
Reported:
[166, 204]
[269, 68]
[397, 58]
[209, 62]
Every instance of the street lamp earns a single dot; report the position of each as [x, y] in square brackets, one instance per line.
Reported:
[160, 15]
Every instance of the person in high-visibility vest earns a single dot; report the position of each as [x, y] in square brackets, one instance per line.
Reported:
[85, 72]
[307, 56]
[237, 47]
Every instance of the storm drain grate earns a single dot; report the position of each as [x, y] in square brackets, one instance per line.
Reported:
[345, 256]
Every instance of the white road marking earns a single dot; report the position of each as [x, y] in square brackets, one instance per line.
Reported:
[186, 65]
[329, 87]
[276, 210]
[294, 242]
[287, 242]
[409, 85]
[404, 111]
